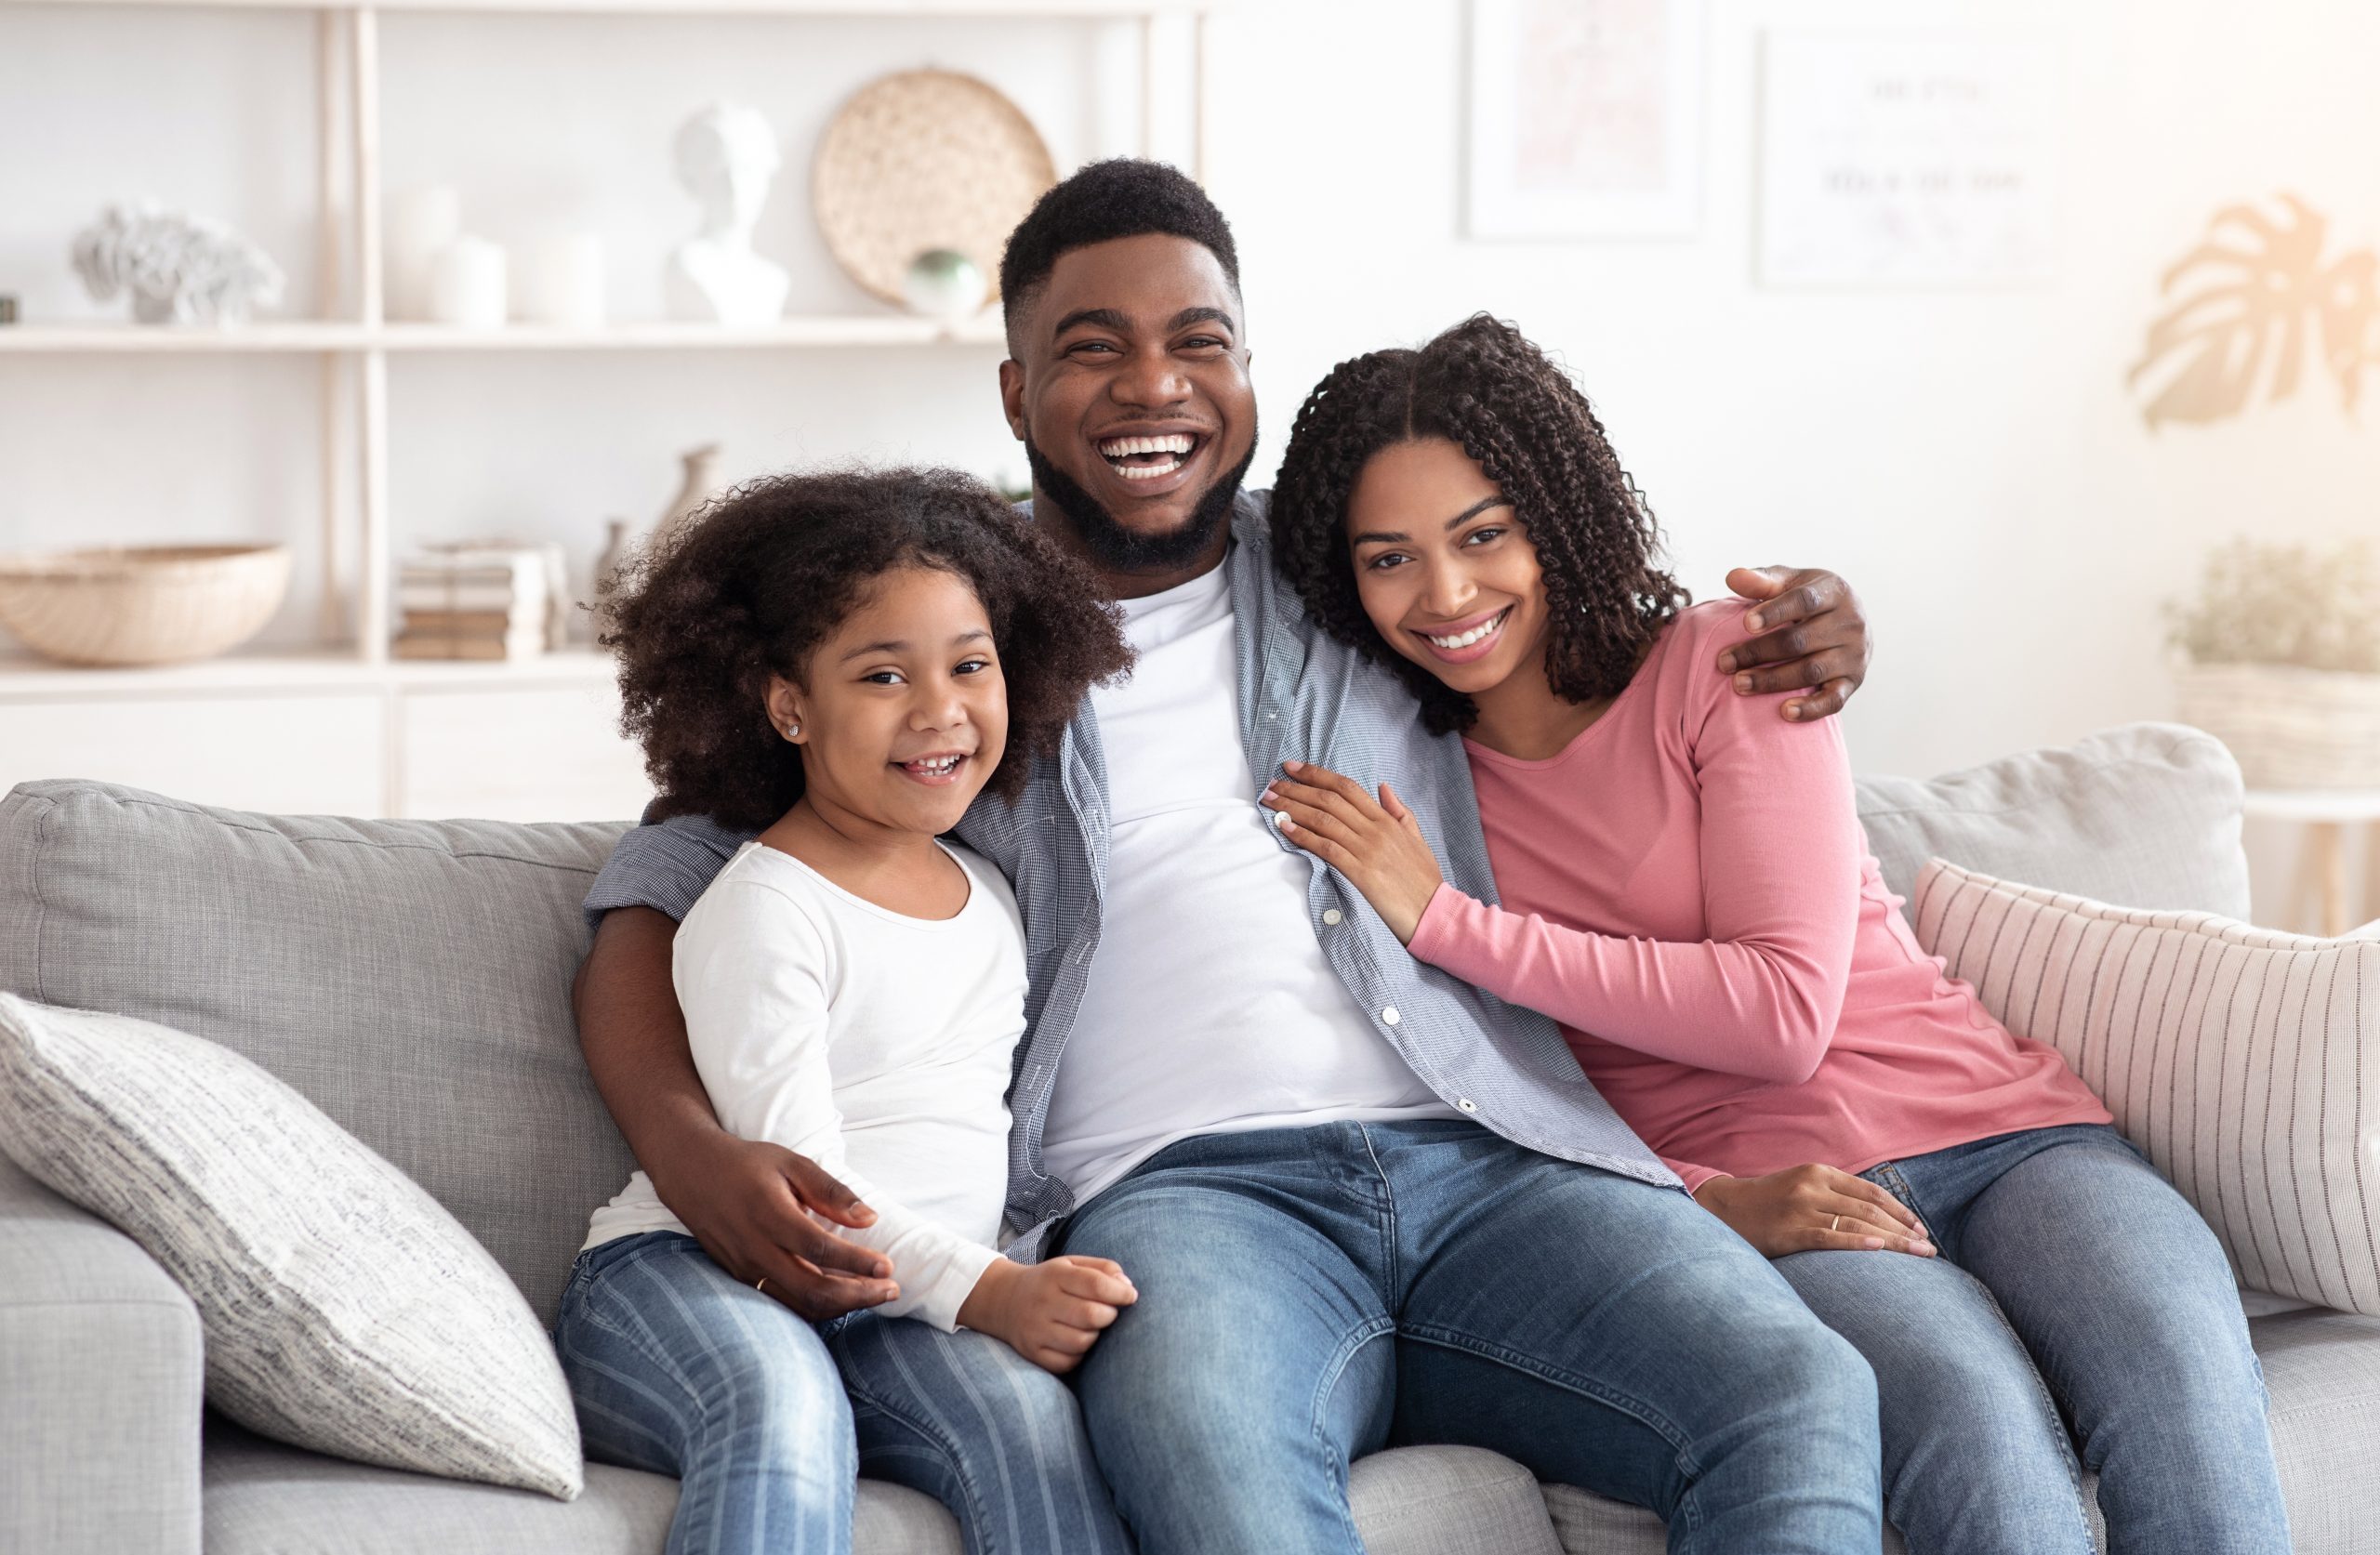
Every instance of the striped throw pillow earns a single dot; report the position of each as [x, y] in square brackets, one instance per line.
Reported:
[344, 1310]
[2234, 1055]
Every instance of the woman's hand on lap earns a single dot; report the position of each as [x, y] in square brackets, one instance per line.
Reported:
[1051, 1313]
[1811, 1208]
[1377, 844]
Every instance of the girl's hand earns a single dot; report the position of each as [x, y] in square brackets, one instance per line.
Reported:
[1804, 1209]
[1051, 1313]
[1377, 845]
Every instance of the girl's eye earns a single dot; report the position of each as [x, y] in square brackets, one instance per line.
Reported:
[974, 667]
[883, 678]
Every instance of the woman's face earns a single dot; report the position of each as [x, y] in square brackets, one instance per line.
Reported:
[905, 712]
[1443, 568]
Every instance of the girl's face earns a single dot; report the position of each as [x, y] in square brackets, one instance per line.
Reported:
[1443, 568]
[904, 714]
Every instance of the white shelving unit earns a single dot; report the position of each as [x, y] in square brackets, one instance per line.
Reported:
[55, 720]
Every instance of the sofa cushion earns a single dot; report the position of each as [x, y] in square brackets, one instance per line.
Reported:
[343, 1308]
[2147, 814]
[2232, 1056]
[410, 978]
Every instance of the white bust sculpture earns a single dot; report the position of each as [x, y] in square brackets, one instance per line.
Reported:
[726, 156]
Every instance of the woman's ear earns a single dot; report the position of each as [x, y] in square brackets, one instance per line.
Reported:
[785, 705]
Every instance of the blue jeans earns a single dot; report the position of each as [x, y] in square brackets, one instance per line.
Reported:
[1311, 1295]
[2074, 1288]
[679, 1369]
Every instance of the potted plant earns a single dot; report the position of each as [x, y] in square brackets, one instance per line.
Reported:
[2281, 646]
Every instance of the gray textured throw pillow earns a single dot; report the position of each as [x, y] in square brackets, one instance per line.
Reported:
[344, 1308]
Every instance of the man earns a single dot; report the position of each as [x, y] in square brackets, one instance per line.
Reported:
[1362, 1203]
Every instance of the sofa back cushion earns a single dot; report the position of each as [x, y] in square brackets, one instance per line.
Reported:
[410, 978]
[2145, 814]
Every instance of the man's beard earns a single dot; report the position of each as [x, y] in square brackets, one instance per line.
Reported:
[1113, 548]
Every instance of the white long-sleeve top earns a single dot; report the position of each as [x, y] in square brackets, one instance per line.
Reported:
[876, 1044]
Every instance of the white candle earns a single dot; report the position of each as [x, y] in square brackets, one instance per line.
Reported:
[562, 282]
[422, 223]
[466, 286]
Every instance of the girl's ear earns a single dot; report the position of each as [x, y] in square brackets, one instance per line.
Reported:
[785, 706]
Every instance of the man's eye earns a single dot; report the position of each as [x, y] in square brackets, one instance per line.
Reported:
[1204, 343]
[1089, 345]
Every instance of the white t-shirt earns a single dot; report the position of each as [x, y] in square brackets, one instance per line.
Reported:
[1209, 1008]
[875, 1044]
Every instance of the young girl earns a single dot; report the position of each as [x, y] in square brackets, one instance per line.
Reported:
[1687, 889]
[843, 662]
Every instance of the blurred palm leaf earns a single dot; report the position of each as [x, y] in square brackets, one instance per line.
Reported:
[2251, 295]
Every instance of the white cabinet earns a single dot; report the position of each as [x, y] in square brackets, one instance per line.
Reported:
[534, 740]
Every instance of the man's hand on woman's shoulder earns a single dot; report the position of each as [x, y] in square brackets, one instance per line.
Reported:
[1807, 632]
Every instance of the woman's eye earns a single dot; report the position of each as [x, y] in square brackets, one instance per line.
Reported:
[1481, 536]
[1386, 560]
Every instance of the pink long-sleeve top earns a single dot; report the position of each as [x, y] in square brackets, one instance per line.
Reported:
[1687, 891]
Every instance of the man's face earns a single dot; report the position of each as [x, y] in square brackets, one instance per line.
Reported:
[1129, 392]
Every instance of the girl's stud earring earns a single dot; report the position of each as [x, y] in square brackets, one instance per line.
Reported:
[791, 729]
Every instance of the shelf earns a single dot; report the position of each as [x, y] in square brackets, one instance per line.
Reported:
[1082, 9]
[821, 330]
[31, 679]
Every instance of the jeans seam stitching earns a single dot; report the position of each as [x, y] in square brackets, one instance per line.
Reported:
[1392, 1274]
[2056, 1420]
[1626, 1403]
[1331, 1372]
[954, 1461]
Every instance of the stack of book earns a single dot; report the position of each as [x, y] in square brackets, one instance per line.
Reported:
[473, 603]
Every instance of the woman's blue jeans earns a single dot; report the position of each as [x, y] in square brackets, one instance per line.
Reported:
[679, 1369]
[2076, 1291]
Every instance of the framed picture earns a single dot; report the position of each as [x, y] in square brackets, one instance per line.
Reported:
[1919, 159]
[1586, 118]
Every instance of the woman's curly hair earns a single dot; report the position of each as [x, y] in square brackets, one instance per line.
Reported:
[759, 578]
[1482, 387]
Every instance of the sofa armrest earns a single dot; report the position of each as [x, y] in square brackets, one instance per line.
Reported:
[102, 1381]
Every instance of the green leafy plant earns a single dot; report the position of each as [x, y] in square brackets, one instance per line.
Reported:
[2272, 604]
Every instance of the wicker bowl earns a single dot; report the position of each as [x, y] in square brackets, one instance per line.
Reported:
[2290, 728]
[142, 604]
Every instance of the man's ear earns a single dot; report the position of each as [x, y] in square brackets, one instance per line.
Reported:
[1012, 396]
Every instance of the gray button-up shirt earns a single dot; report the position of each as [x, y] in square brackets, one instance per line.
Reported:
[1304, 697]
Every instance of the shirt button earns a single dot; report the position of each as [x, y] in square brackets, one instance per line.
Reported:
[1330, 914]
[1389, 1017]
[1467, 1104]
[1280, 817]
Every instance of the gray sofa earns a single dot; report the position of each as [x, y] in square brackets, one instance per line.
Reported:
[413, 979]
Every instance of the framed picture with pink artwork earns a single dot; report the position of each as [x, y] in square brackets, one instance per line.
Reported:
[1585, 119]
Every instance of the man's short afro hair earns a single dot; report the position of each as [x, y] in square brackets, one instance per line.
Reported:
[1124, 197]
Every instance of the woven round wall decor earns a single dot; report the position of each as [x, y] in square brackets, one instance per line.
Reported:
[925, 160]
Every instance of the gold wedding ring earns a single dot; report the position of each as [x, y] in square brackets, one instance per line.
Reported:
[1833, 1222]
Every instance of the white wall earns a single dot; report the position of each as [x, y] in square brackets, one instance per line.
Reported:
[1970, 459]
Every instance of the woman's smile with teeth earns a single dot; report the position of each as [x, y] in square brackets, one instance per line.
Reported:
[1148, 457]
[1464, 640]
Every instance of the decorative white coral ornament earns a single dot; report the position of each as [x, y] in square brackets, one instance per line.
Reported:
[180, 269]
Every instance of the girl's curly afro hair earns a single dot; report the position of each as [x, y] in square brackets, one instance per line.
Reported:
[1482, 387]
[766, 572]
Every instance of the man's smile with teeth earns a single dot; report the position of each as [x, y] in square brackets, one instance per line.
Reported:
[1145, 458]
[1464, 640]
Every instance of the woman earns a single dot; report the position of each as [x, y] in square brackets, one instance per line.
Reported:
[1685, 887]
